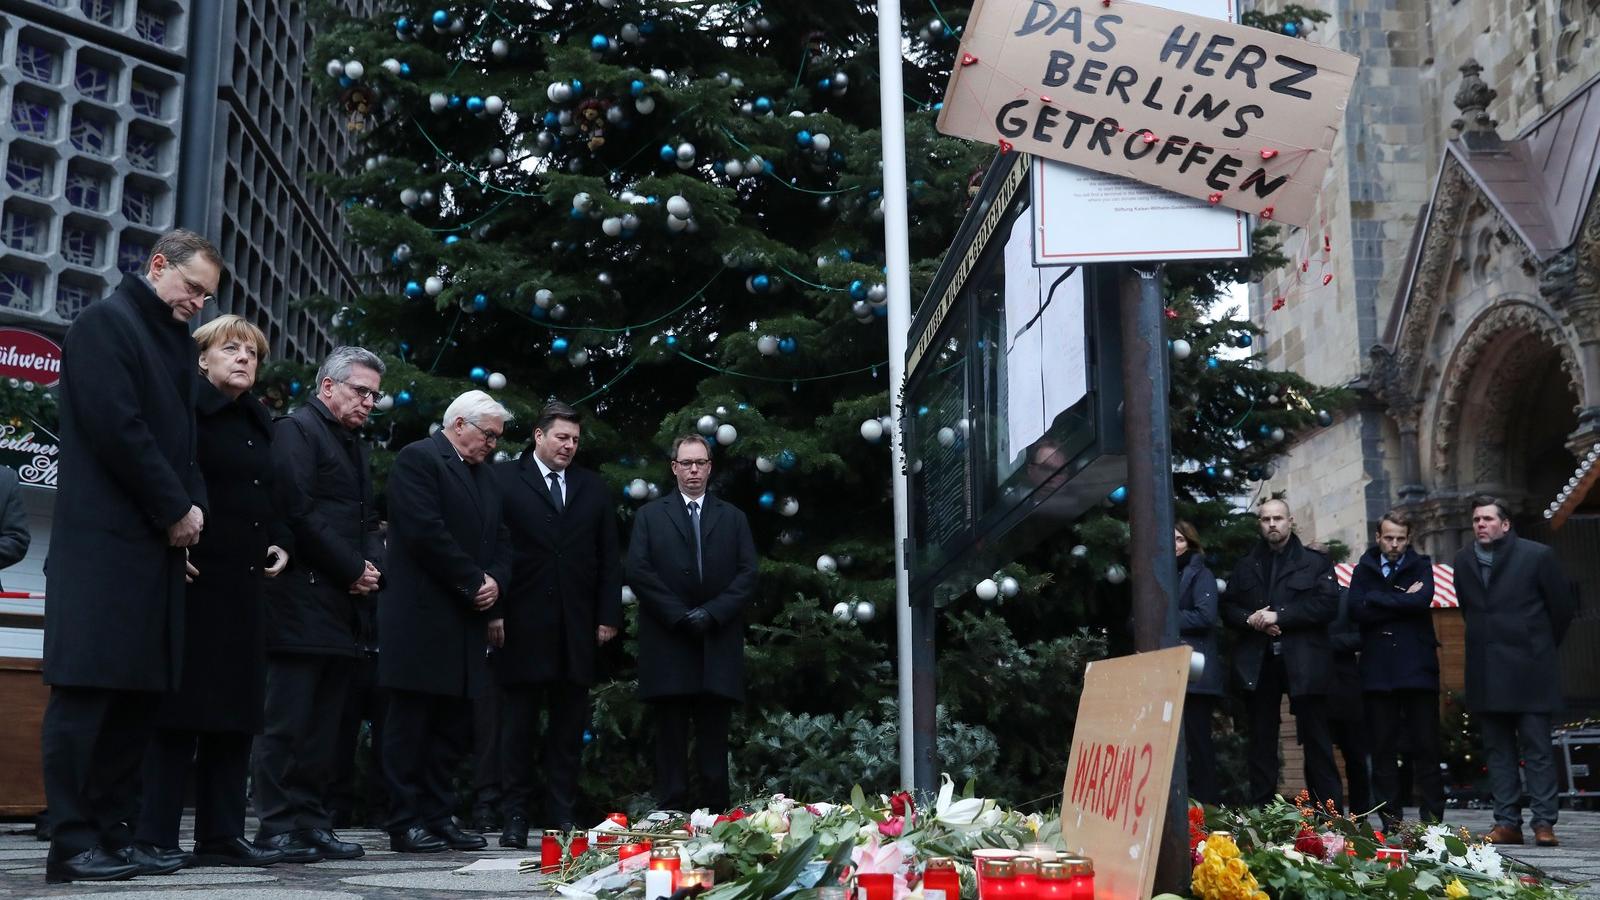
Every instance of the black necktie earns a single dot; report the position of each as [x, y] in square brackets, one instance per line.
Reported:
[694, 525]
[555, 493]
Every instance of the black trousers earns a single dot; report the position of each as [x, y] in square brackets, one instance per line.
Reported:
[488, 776]
[425, 737]
[560, 753]
[221, 762]
[1407, 719]
[1350, 735]
[93, 741]
[363, 703]
[707, 718]
[1311, 723]
[1199, 749]
[295, 757]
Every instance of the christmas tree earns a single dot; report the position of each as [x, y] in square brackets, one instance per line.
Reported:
[668, 214]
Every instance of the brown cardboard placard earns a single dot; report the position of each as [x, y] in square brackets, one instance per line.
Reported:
[1114, 799]
[1237, 115]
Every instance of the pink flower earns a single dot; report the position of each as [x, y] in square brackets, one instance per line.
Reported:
[1332, 846]
[894, 826]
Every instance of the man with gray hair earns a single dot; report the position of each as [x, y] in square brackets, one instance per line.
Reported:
[449, 554]
[316, 607]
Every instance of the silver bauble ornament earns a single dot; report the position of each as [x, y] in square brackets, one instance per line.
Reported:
[865, 611]
[1116, 574]
[827, 565]
[1009, 587]
[987, 590]
[765, 465]
[434, 285]
[790, 507]
[707, 425]
[496, 381]
[727, 434]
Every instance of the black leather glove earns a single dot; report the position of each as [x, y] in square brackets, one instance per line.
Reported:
[697, 621]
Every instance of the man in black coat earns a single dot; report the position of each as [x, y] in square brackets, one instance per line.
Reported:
[324, 489]
[1517, 604]
[563, 603]
[129, 505]
[449, 553]
[1391, 598]
[692, 563]
[1282, 597]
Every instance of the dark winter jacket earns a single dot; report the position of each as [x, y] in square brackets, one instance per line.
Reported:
[1399, 650]
[1305, 596]
[1515, 624]
[1199, 623]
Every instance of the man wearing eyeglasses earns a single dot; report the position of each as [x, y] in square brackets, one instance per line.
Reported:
[449, 554]
[692, 564]
[320, 610]
[130, 503]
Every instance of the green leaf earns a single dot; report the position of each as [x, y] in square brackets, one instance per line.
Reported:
[858, 798]
[1455, 846]
[1427, 881]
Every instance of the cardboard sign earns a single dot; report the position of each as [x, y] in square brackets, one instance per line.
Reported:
[1233, 115]
[1114, 801]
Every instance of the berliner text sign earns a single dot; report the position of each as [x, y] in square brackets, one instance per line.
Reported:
[1236, 115]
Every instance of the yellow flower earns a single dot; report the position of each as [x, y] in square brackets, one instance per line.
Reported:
[1455, 890]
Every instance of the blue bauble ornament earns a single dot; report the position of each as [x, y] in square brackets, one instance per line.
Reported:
[455, 101]
[441, 18]
[843, 254]
[1256, 473]
[668, 153]
[405, 348]
[1291, 28]
[599, 43]
[824, 84]
[474, 105]
[1120, 495]
[403, 398]
[344, 81]
[402, 24]
[938, 107]
[588, 737]
[787, 459]
[1264, 430]
[858, 290]
[576, 213]
[767, 500]
[636, 87]
[538, 312]
[922, 410]
[294, 388]
[577, 88]
[835, 158]
[1211, 471]
[763, 104]
[803, 138]
[413, 289]
[478, 374]
[647, 27]
[1245, 340]
[1212, 362]
[672, 340]
[552, 119]
[761, 283]
[559, 345]
[405, 70]
[788, 345]
[480, 302]
[881, 312]
[451, 239]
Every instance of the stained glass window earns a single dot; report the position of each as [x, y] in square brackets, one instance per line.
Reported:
[131, 256]
[91, 135]
[138, 206]
[146, 100]
[80, 246]
[16, 289]
[102, 11]
[71, 299]
[20, 231]
[143, 152]
[32, 117]
[94, 82]
[85, 190]
[151, 25]
[36, 62]
[26, 174]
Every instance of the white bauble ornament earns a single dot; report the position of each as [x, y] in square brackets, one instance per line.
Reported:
[1181, 349]
[861, 309]
[581, 201]
[843, 612]
[987, 590]
[392, 66]
[678, 206]
[457, 26]
[427, 198]
[558, 312]
[1222, 586]
[434, 285]
[629, 598]
[1009, 587]
[500, 48]
[494, 105]
[767, 344]
[497, 157]
[1277, 435]
[1079, 551]
[611, 226]
[727, 434]
[872, 430]
[1116, 574]
[578, 358]
[706, 425]
[353, 70]
[877, 293]
[865, 611]
[542, 298]
[497, 381]
[821, 143]
[790, 507]
[629, 32]
[827, 565]
[409, 196]
[501, 456]
[947, 436]
[335, 68]
[386, 403]
[645, 105]
[558, 92]
[438, 102]
[638, 489]
[677, 225]
[765, 465]
[685, 151]
[734, 168]
[615, 115]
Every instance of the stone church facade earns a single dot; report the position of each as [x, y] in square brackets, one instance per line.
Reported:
[1460, 224]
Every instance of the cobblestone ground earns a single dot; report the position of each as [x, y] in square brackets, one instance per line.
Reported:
[384, 874]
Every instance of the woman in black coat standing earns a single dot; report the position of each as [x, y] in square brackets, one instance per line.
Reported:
[1198, 626]
[213, 716]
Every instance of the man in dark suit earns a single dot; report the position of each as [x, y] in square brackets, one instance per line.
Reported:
[1517, 604]
[564, 602]
[129, 505]
[692, 563]
[324, 488]
[449, 553]
[1282, 597]
[1391, 597]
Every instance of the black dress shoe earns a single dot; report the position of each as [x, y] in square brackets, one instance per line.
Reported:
[331, 846]
[516, 833]
[234, 852]
[93, 864]
[415, 839]
[153, 860]
[451, 833]
[293, 845]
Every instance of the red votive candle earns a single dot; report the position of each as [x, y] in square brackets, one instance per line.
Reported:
[549, 853]
[1080, 877]
[1053, 882]
[997, 879]
[579, 846]
[618, 819]
[665, 859]
[875, 886]
[940, 875]
[1027, 874]
[628, 851]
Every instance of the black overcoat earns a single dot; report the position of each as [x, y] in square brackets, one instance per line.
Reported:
[1514, 625]
[661, 571]
[1199, 623]
[445, 533]
[1399, 650]
[15, 537]
[115, 590]
[224, 647]
[566, 577]
[1305, 596]
[324, 488]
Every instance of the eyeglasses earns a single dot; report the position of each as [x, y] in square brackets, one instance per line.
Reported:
[492, 437]
[692, 463]
[364, 393]
[195, 290]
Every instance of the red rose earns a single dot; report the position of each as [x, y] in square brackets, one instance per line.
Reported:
[1308, 842]
[902, 805]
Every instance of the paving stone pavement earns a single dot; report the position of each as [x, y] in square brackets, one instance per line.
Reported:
[383, 875]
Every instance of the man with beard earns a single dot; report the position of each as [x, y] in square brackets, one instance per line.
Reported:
[1282, 597]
